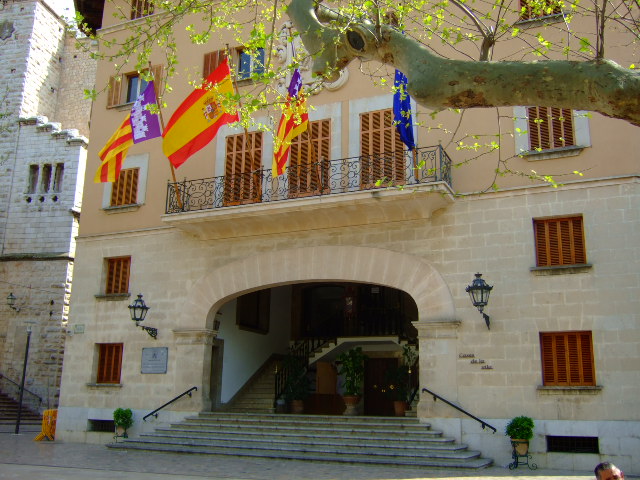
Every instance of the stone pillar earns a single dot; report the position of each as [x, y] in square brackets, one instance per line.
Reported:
[193, 366]
[438, 367]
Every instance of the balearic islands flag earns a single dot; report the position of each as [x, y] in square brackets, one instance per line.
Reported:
[138, 126]
[294, 121]
[114, 153]
[145, 125]
[197, 120]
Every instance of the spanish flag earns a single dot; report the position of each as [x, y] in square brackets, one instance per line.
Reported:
[294, 121]
[114, 153]
[197, 120]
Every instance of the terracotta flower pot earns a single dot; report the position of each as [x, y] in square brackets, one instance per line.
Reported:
[351, 401]
[297, 406]
[400, 407]
[520, 445]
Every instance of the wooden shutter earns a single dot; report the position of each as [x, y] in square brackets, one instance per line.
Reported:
[308, 171]
[527, 11]
[381, 150]
[109, 362]
[157, 72]
[243, 169]
[567, 359]
[559, 241]
[141, 8]
[211, 62]
[124, 190]
[115, 89]
[118, 269]
[550, 128]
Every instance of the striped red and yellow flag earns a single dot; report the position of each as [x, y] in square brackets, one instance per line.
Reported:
[114, 153]
[294, 121]
[198, 119]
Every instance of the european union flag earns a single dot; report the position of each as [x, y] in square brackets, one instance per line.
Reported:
[402, 110]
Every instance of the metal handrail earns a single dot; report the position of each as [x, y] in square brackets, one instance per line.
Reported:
[155, 412]
[302, 349]
[18, 385]
[436, 396]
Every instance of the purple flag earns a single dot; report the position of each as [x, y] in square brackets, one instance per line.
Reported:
[144, 124]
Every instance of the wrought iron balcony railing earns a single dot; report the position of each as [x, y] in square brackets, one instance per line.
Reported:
[326, 177]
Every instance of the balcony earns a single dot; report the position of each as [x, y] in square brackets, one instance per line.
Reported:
[388, 187]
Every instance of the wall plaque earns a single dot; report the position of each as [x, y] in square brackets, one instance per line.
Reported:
[154, 360]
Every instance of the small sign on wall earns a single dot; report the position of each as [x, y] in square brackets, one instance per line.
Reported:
[154, 360]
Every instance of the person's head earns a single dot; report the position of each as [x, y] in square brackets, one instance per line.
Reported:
[608, 471]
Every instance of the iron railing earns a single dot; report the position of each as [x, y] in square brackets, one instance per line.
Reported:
[326, 177]
[301, 350]
[460, 409]
[16, 385]
[155, 412]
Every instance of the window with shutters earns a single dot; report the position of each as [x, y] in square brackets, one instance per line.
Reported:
[247, 63]
[243, 169]
[550, 128]
[567, 359]
[309, 162]
[141, 8]
[109, 362]
[532, 9]
[118, 270]
[381, 150]
[252, 311]
[124, 190]
[125, 88]
[559, 241]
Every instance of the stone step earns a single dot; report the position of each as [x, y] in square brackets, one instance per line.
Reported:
[291, 454]
[368, 440]
[408, 442]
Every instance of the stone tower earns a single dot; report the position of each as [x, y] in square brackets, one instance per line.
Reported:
[44, 124]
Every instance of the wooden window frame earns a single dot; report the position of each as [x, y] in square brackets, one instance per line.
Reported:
[109, 368]
[213, 59]
[381, 150]
[243, 169]
[527, 13]
[567, 359]
[124, 191]
[119, 84]
[141, 8]
[118, 272]
[550, 128]
[253, 311]
[559, 241]
[309, 169]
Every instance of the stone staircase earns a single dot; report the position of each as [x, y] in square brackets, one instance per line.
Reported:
[9, 413]
[359, 440]
[257, 395]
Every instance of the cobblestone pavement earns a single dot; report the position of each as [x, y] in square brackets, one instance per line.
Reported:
[24, 459]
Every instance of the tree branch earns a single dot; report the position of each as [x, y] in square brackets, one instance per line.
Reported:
[436, 82]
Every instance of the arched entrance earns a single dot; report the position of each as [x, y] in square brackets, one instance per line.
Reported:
[332, 270]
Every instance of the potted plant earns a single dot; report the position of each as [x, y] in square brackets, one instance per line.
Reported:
[122, 419]
[296, 387]
[397, 388]
[520, 430]
[351, 365]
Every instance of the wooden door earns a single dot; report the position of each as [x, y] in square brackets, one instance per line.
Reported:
[376, 401]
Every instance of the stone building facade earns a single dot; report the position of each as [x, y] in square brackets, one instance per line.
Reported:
[325, 253]
[42, 164]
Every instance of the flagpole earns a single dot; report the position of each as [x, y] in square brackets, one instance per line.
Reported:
[173, 170]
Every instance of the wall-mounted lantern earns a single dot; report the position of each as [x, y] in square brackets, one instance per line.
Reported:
[479, 293]
[138, 310]
[11, 302]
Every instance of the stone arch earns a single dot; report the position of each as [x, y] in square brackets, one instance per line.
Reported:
[325, 263]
